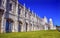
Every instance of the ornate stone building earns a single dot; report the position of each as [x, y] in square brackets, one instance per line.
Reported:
[15, 17]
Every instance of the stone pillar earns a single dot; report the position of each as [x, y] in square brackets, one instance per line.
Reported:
[4, 4]
[3, 24]
[21, 15]
[15, 26]
[22, 28]
[15, 20]
[28, 27]
[24, 12]
[17, 8]
[3, 21]
[24, 21]
[32, 27]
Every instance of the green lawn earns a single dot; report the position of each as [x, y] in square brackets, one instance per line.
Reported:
[35, 34]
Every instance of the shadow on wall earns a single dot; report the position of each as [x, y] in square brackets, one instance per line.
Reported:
[58, 28]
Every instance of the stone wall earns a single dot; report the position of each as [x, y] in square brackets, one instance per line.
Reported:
[23, 19]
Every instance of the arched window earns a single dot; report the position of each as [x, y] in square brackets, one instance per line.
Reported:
[19, 26]
[9, 24]
[26, 26]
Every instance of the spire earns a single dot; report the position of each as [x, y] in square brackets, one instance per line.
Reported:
[32, 11]
[24, 6]
[29, 9]
[50, 21]
[45, 19]
[35, 14]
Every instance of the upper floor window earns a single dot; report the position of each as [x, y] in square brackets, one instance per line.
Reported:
[10, 7]
[0, 2]
[19, 11]
[25, 14]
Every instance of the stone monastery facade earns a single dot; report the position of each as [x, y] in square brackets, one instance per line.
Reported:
[15, 17]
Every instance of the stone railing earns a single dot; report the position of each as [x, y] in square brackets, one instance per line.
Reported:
[1, 7]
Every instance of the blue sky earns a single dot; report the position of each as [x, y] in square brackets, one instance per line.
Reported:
[48, 8]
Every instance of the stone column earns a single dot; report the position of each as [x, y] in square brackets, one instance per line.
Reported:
[3, 24]
[24, 26]
[28, 27]
[32, 27]
[24, 21]
[5, 4]
[16, 21]
[17, 8]
[15, 26]
[3, 21]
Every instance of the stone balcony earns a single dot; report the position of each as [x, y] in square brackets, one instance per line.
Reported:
[10, 15]
[1, 7]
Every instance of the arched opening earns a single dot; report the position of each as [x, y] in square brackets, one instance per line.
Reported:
[9, 24]
[48, 27]
[30, 27]
[19, 26]
[26, 26]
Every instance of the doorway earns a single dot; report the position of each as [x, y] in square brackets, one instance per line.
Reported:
[9, 25]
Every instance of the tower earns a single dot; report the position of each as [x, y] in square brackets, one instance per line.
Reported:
[46, 23]
[51, 23]
[45, 19]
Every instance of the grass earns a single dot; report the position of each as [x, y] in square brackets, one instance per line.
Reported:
[33, 34]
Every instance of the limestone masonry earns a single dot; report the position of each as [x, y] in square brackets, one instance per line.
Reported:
[15, 17]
